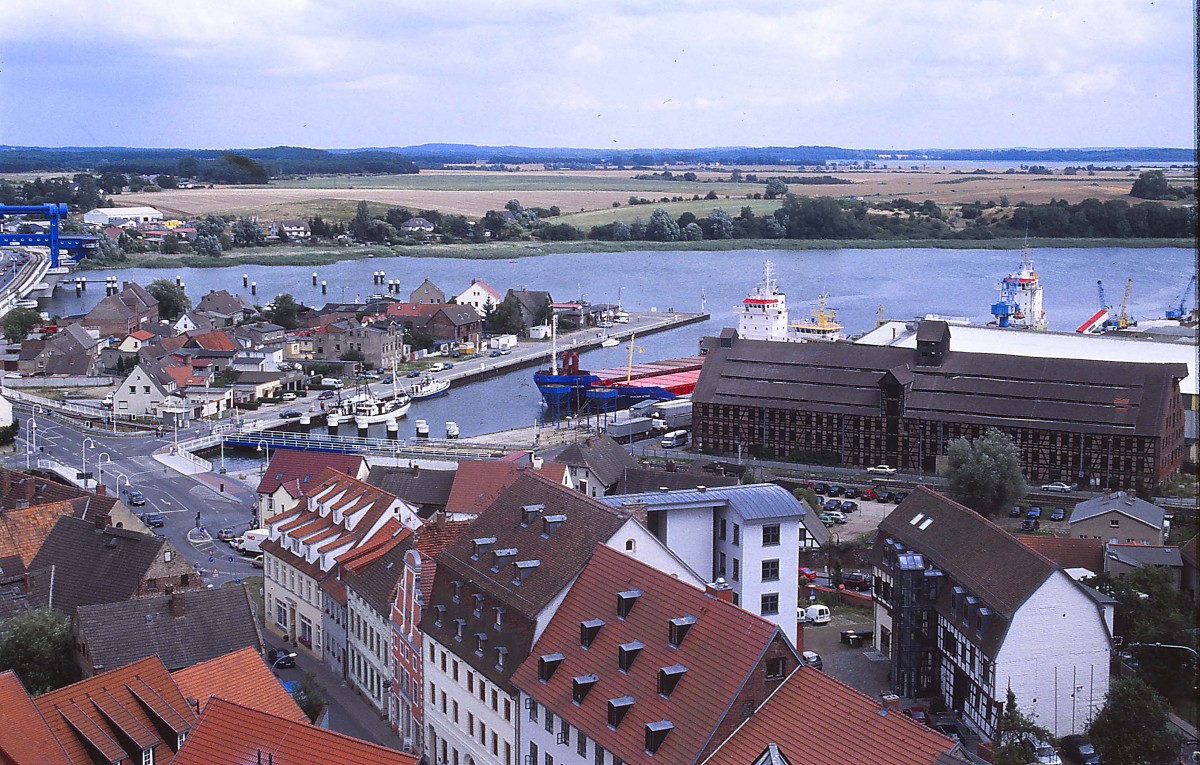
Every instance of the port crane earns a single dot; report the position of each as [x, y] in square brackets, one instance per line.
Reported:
[1122, 320]
[76, 244]
[1176, 310]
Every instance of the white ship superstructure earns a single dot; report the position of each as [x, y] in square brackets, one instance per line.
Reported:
[764, 316]
[1020, 303]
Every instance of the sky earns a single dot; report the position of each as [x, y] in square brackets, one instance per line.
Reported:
[883, 74]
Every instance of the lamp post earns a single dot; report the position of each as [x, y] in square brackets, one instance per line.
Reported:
[124, 478]
[32, 426]
[265, 449]
[83, 447]
[100, 458]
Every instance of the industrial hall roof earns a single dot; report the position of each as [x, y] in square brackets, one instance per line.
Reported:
[1071, 395]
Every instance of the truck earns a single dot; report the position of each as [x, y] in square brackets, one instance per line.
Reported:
[673, 415]
[502, 342]
[634, 427]
[331, 382]
[251, 542]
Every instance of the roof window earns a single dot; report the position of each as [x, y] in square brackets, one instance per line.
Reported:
[917, 519]
[500, 556]
[626, 601]
[656, 734]
[550, 524]
[678, 629]
[617, 709]
[547, 665]
[627, 653]
[669, 677]
[481, 546]
[530, 512]
[523, 568]
[588, 630]
[581, 686]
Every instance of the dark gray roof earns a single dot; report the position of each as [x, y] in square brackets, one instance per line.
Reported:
[460, 315]
[375, 582]
[213, 623]
[93, 565]
[1119, 502]
[1145, 555]
[600, 454]
[637, 480]
[532, 300]
[428, 489]
[988, 389]
[23, 592]
[932, 331]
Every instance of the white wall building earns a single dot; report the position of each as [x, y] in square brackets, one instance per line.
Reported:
[370, 578]
[115, 216]
[478, 296]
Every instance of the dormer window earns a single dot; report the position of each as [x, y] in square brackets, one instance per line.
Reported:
[669, 677]
[550, 524]
[499, 557]
[678, 629]
[588, 630]
[983, 620]
[460, 626]
[627, 653]
[478, 598]
[580, 686]
[457, 590]
[529, 513]
[547, 665]
[522, 569]
[626, 601]
[499, 616]
[957, 594]
[439, 614]
[481, 546]
[501, 653]
[617, 709]
[656, 734]
[481, 639]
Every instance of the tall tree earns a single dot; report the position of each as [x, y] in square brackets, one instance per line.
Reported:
[283, 311]
[247, 233]
[309, 696]
[720, 225]
[662, 227]
[775, 188]
[172, 300]
[1012, 735]
[985, 472]
[37, 646]
[18, 323]
[1134, 727]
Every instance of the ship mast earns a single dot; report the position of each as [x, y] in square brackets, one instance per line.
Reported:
[554, 344]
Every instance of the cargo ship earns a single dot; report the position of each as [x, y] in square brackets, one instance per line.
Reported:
[566, 388]
[1020, 303]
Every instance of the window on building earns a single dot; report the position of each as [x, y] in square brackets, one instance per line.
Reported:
[549, 721]
[770, 535]
[720, 564]
[470, 724]
[721, 528]
[564, 731]
[533, 710]
[597, 753]
[737, 534]
[737, 570]
[148, 756]
[769, 604]
[508, 710]
[581, 744]
[1114, 523]
[770, 570]
[776, 668]
[627, 653]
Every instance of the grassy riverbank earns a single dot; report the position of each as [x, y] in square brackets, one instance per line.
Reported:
[316, 256]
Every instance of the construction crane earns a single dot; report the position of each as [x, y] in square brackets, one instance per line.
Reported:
[1176, 309]
[1123, 318]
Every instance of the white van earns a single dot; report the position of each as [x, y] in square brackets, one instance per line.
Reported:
[331, 382]
[437, 366]
[814, 615]
[673, 439]
[252, 540]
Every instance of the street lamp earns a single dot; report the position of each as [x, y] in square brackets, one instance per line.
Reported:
[83, 447]
[32, 423]
[124, 478]
[265, 448]
[100, 458]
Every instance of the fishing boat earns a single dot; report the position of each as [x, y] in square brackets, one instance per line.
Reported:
[365, 406]
[428, 387]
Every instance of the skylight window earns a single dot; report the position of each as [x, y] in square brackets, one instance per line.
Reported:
[917, 519]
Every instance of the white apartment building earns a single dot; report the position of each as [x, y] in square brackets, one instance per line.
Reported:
[370, 576]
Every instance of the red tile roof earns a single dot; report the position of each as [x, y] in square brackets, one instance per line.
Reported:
[215, 340]
[231, 734]
[721, 651]
[1068, 553]
[477, 484]
[816, 720]
[298, 468]
[22, 531]
[134, 702]
[432, 538]
[141, 334]
[25, 738]
[241, 677]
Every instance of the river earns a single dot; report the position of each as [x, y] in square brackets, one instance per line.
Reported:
[906, 282]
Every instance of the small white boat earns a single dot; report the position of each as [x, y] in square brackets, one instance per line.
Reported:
[365, 406]
[609, 342]
[428, 387]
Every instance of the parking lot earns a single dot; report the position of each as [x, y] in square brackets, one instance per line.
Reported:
[862, 668]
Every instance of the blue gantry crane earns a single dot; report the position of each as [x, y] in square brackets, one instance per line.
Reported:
[1178, 307]
[76, 244]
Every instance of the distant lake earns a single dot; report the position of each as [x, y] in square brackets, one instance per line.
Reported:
[906, 282]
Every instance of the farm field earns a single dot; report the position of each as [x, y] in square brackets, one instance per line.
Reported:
[593, 192]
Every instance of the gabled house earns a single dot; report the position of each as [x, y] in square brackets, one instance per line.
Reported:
[1120, 559]
[597, 464]
[427, 292]
[411, 596]
[259, 334]
[144, 390]
[118, 315]
[94, 565]
[495, 589]
[477, 484]
[535, 306]
[455, 324]
[292, 230]
[637, 666]
[963, 610]
[193, 321]
[750, 536]
[133, 342]
[70, 351]
[418, 225]
[182, 628]
[340, 514]
[428, 489]
[225, 309]
[291, 474]
[376, 346]
[1118, 518]
[479, 296]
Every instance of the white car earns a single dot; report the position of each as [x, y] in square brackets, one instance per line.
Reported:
[1058, 486]
[882, 470]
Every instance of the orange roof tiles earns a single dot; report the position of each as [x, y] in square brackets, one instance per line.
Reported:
[816, 720]
[230, 734]
[1068, 553]
[141, 334]
[242, 677]
[432, 538]
[25, 738]
[23, 530]
[215, 340]
[299, 468]
[140, 698]
[477, 483]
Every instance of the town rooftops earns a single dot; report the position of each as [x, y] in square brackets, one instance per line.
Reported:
[183, 628]
[477, 483]
[25, 738]
[660, 649]
[638, 480]
[980, 388]
[428, 489]
[1145, 555]
[119, 714]
[1126, 504]
[976, 553]
[213, 340]
[816, 720]
[22, 532]
[1068, 553]
[241, 677]
[298, 467]
[432, 538]
[373, 575]
[224, 303]
[606, 458]
[231, 734]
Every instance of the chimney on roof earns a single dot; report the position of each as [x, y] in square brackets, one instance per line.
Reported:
[890, 703]
[720, 590]
[176, 604]
[535, 461]
[101, 490]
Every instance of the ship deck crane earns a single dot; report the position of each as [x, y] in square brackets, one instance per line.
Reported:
[1177, 308]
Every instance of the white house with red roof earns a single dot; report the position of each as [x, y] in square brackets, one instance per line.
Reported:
[479, 295]
[338, 515]
[290, 476]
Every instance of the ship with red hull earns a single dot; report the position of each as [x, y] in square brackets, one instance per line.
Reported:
[567, 388]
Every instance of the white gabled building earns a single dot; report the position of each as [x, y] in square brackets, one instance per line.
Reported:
[964, 610]
[115, 216]
[495, 590]
[478, 296]
[750, 536]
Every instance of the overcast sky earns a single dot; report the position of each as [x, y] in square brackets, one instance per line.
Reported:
[597, 73]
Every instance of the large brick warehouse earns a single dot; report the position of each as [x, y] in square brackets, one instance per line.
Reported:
[858, 405]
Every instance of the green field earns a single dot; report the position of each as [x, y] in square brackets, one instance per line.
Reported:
[699, 208]
[467, 180]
